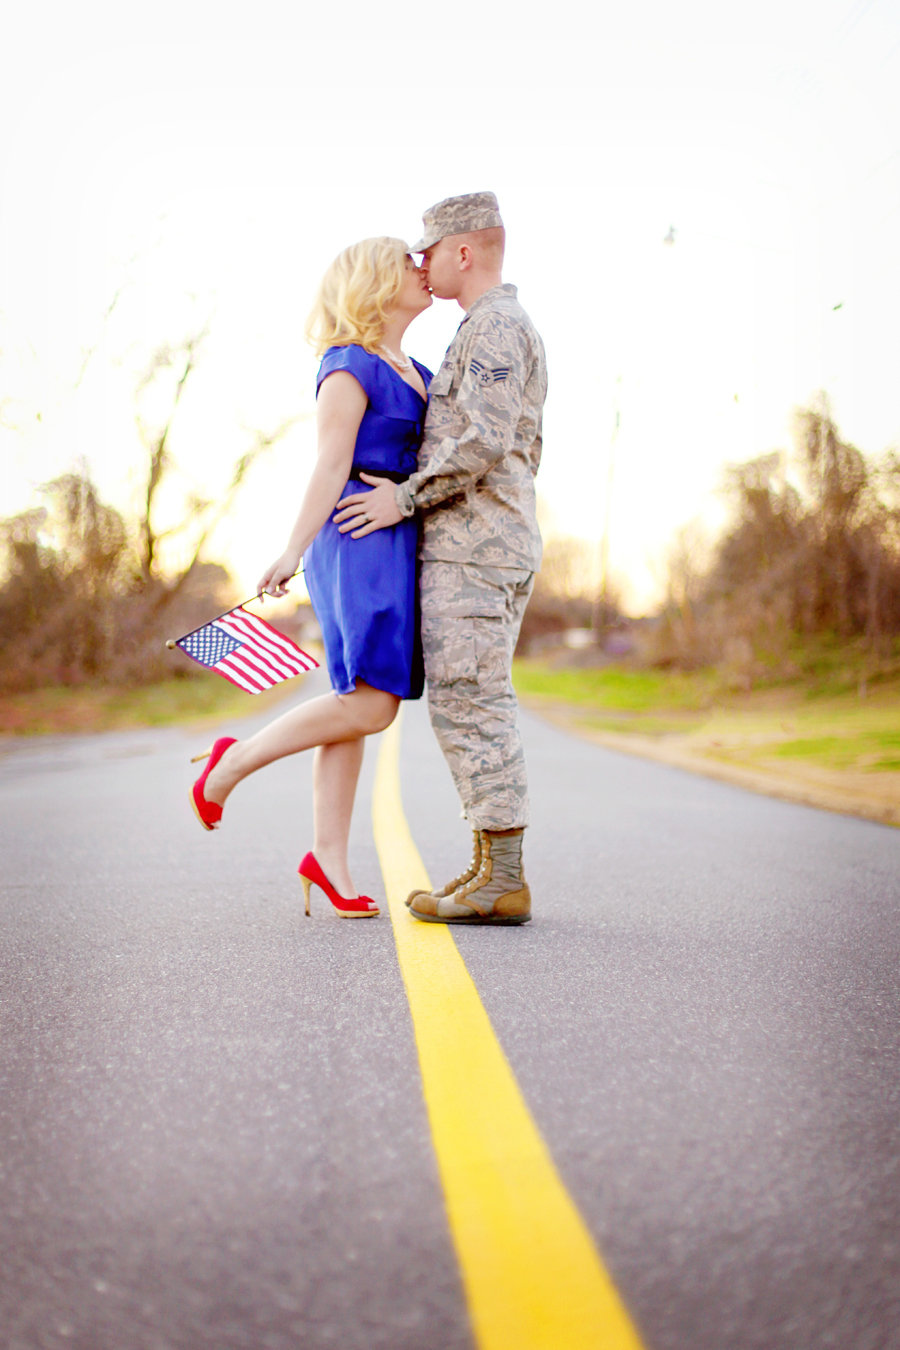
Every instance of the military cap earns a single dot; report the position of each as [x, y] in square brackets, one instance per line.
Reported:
[458, 215]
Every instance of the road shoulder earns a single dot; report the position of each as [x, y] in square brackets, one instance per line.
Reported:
[867, 795]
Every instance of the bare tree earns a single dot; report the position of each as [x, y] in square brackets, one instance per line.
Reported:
[819, 555]
[167, 376]
[66, 562]
[83, 587]
[180, 361]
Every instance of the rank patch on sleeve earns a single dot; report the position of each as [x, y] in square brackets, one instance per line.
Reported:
[488, 374]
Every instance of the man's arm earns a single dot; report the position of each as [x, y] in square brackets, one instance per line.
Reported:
[487, 405]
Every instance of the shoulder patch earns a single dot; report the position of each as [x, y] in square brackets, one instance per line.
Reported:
[488, 374]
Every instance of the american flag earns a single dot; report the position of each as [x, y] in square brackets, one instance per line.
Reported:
[246, 650]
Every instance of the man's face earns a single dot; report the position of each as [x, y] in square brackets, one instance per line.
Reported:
[440, 269]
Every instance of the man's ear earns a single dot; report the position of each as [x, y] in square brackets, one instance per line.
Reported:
[465, 257]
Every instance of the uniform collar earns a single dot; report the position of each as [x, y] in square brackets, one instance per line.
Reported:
[488, 296]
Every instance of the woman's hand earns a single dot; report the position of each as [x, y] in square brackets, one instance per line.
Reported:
[364, 512]
[272, 581]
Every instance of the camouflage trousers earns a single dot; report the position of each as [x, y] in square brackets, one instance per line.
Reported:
[471, 616]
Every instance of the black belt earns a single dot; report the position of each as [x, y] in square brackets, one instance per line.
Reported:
[357, 469]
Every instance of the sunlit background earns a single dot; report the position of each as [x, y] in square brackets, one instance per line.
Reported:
[702, 204]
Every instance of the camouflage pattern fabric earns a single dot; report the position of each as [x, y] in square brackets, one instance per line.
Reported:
[474, 486]
[458, 215]
[471, 617]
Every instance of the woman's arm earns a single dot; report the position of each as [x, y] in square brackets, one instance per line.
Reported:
[339, 411]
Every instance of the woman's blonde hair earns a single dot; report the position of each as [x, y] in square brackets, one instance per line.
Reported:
[356, 293]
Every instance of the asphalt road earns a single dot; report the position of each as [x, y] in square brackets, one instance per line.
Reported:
[212, 1131]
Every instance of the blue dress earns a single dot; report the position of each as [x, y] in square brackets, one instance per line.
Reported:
[364, 591]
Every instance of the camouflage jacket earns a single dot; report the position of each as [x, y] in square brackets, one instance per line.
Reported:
[474, 485]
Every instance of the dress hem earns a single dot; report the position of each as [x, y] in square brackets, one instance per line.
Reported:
[407, 697]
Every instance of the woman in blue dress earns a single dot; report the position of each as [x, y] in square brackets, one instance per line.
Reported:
[371, 402]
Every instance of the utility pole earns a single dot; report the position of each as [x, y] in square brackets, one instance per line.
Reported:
[601, 603]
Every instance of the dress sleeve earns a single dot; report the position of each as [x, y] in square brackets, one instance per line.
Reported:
[356, 361]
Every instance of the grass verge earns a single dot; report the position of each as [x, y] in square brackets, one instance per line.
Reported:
[67, 711]
[826, 738]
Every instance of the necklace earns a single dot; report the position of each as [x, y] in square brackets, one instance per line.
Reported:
[402, 362]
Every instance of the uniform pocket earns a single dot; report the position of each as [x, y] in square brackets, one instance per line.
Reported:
[454, 591]
[450, 649]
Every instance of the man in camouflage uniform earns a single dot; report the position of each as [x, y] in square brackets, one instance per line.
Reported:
[480, 548]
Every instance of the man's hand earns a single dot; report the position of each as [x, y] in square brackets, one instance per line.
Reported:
[364, 512]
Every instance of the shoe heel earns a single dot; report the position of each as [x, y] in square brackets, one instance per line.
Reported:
[359, 907]
[197, 759]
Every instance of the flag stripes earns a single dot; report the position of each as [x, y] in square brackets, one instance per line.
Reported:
[246, 650]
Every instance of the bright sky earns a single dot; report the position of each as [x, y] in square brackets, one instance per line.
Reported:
[206, 163]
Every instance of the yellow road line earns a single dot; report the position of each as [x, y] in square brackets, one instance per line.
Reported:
[532, 1276]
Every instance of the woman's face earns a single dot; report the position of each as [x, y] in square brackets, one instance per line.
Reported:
[414, 295]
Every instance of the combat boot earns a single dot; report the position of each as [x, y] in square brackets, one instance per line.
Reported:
[498, 893]
[467, 875]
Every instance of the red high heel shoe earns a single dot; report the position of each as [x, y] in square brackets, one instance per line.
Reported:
[209, 813]
[360, 907]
